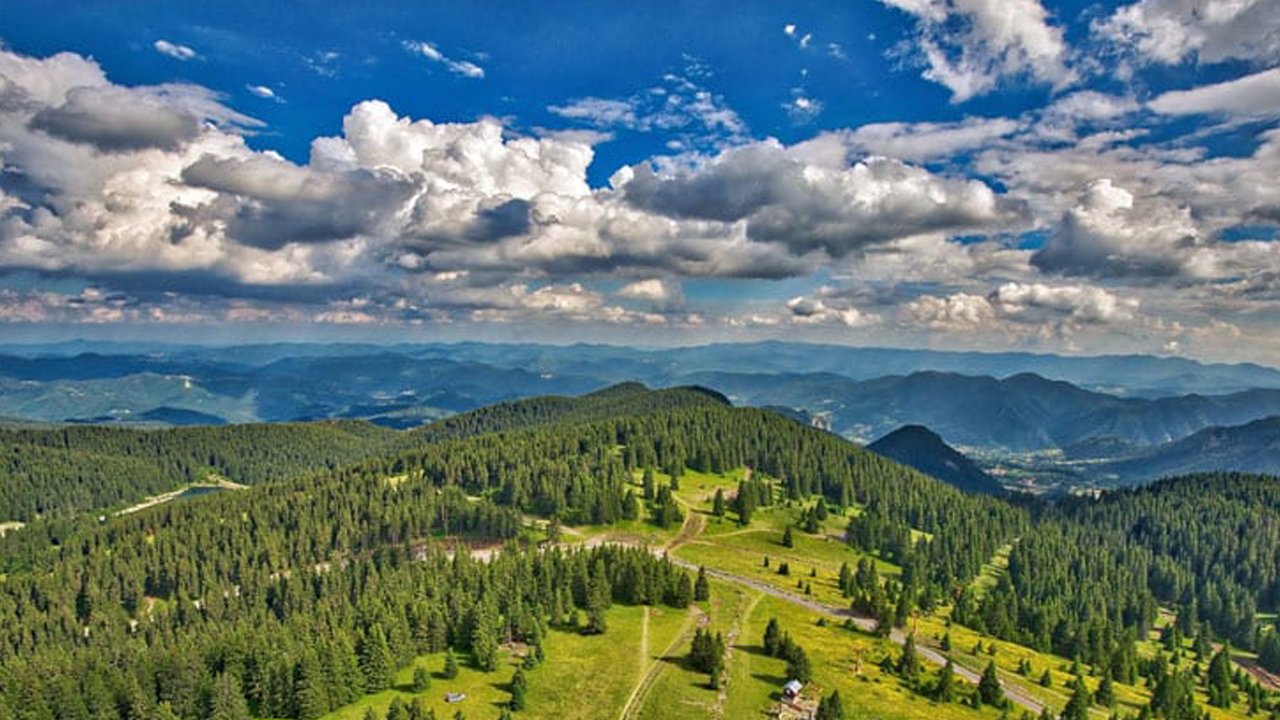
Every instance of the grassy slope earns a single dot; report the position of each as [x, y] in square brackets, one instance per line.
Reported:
[581, 675]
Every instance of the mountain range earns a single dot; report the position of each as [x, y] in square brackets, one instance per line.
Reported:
[1151, 406]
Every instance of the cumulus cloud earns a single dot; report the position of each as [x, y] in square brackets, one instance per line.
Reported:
[1171, 31]
[662, 294]
[969, 46]
[779, 198]
[115, 119]
[1256, 95]
[463, 68]
[826, 311]
[1110, 232]
[1081, 303]
[174, 50]
[1023, 310]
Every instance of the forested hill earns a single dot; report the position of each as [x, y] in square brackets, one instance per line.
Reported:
[247, 596]
[624, 399]
[67, 470]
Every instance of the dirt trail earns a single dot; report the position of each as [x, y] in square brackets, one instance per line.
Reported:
[635, 701]
[718, 710]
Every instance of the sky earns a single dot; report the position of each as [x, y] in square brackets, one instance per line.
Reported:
[1069, 177]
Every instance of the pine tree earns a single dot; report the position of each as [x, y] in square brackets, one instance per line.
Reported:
[450, 665]
[1077, 707]
[908, 667]
[830, 707]
[990, 691]
[787, 539]
[717, 503]
[228, 699]
[945, 689]
[375, 659]
[1106, 695]
[519, 686]
[1218, 682]
[772, 638]
[421, 679]
[701, 587]
[484, 639]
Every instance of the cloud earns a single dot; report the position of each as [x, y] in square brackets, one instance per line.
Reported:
[913, 142]
[662, 295]
[600, 112]
[1081, 303]
[428, 50]
[801, 108]
[961, 312]
[681, 106]
[175, 50]
[1091, 105]
[779, 198]
[969, 46]
[264, 92]
[819, 311]
[1256, 95]
[1110, 232]
[1022, 310]
[114, 119]
[1212, 31]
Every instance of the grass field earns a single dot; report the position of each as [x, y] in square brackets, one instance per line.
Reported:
[581, 675]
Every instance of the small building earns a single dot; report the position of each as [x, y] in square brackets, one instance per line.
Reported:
[454, 697]
[792, 689]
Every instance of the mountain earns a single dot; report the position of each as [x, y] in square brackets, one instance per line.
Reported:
[1252, 447]
[919, 447]
[843, 389]
[1021, 413]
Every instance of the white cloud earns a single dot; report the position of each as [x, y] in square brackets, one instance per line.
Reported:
[682, 105]
[175, 50]
[961, 312]
[969, 46]
[264, 92]
[779, 197]
[913, 142]
[1091, 105]
[1111, 232]
[821, 311]
[802, 108]
[1211, 31]
[1082, 303]
[464, 68]
[1256, 95]
[600, 112]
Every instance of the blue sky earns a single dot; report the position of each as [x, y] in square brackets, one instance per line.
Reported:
[1059, 176]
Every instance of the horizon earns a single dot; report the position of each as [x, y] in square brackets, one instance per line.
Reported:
[162, 345]
[1040, 177]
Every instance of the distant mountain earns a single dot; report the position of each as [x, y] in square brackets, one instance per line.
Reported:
[980, 400]
[1252, 447]
[1124, 375]
[919, 447]
[1024, 412]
